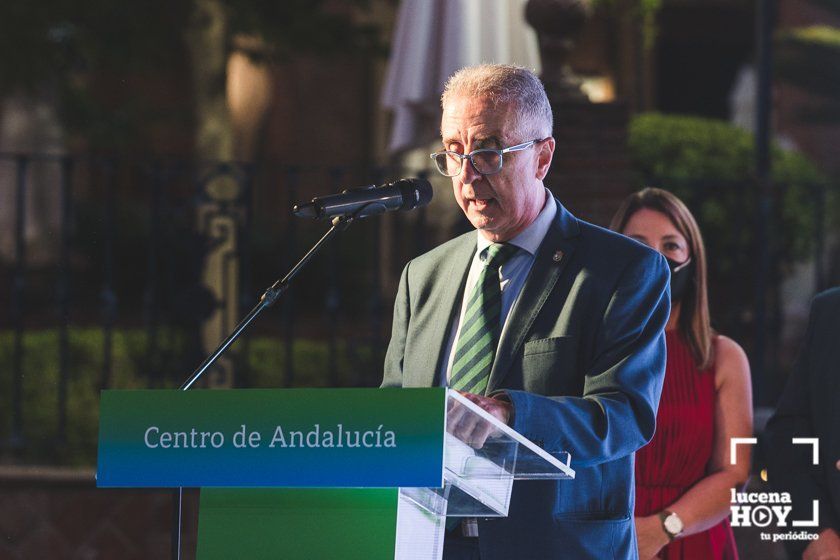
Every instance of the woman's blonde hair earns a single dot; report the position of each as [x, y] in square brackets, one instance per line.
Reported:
[694, 322]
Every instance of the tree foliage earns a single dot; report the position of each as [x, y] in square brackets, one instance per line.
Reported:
[295, 26]
[809, 57]
[116, 69]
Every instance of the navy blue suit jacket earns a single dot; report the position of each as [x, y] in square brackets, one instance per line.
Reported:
[582, 360]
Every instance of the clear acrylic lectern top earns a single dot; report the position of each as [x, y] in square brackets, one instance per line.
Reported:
[482, 458]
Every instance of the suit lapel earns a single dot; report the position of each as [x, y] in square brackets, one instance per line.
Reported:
[445, 307]
[550, 261]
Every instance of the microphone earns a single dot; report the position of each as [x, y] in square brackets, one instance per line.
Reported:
[405, 194]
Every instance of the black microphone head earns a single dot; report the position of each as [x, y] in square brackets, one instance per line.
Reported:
[308, 210]
[415, 192]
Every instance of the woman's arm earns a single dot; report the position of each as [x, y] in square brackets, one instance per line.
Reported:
[707, 503]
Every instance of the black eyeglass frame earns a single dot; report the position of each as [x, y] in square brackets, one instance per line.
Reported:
[469, 156]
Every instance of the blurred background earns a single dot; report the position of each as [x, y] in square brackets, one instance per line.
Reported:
[150, 154]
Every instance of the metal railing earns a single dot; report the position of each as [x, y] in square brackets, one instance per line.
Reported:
[117, 247]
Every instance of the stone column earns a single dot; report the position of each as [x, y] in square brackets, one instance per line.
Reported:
[218, 221]
[591, 169]
[206, 39]
[558, 24]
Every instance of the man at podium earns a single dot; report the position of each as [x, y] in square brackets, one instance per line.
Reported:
[551, 324]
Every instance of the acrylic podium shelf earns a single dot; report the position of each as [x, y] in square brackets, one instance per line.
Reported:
[478, 477]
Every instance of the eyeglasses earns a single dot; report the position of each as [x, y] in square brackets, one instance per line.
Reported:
[485, 161]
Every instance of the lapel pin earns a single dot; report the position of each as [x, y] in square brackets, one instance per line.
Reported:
[558, 256]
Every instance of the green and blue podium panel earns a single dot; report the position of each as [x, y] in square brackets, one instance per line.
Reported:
[319, 473]
[272, 438]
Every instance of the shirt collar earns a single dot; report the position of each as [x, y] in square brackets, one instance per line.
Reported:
[532, 236]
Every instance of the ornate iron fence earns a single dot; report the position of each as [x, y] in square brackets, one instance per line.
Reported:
[103, 263]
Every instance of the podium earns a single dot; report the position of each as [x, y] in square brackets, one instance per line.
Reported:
[321, 473]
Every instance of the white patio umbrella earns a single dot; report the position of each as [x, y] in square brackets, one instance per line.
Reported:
[433, 39]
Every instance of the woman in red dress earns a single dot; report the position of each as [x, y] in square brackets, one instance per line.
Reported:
[684, 475]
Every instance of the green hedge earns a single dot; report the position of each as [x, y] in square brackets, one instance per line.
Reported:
[266, 359]
[712, 163]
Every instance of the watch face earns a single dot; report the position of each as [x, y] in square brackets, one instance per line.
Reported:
[673, 524]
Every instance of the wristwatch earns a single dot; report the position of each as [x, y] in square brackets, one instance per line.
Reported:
[671, 523]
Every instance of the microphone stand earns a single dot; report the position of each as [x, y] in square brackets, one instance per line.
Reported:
[271, 295]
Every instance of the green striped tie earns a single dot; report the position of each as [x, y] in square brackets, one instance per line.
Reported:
[480, 329]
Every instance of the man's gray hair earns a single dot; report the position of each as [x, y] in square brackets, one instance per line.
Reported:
[504, 84]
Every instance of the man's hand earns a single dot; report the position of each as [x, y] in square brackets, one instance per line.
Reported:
[468, 427]
[651, 536]
[827, 547]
